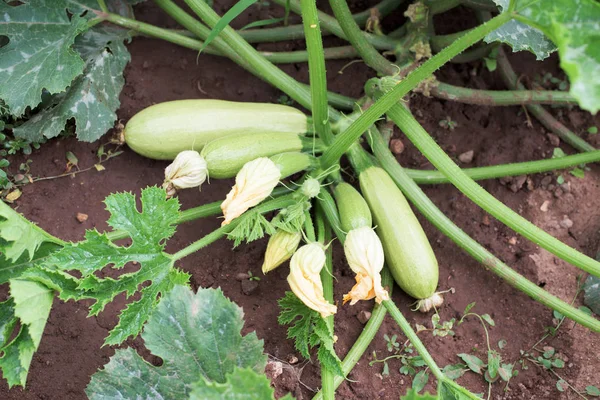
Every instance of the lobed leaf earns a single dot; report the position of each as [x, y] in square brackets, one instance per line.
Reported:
[241, 384]
[198, 336]
[148, 230]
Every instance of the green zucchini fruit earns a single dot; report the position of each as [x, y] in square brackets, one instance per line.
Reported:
[353, 209]
[408, 253]
[164, 130]
[227, 155]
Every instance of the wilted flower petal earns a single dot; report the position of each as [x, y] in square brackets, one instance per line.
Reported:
[254, 183]
[305, 281]
[188, 170]
[364, 253]
[280, 248]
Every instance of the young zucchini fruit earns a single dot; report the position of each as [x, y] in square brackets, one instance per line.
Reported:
[226, 156]
[164, 130]
[408, 253]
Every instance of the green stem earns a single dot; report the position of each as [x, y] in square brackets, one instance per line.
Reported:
[293, 32]
[327, 206]
[414, 339]
[501, 97]
[344, 140]
[430, 149]
[355, 36]
[331, 25]
[441, 6]
[241, 50]
[316, 70]
[516, 169]
[324, 236]
[420, 200]
[268, 206]
[309, 228]
[512, 81]
[102, 5]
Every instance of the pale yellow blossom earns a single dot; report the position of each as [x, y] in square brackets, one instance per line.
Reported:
[188, 170]
[280, 248]
[364, 253]
[254, 183]
[305, 281]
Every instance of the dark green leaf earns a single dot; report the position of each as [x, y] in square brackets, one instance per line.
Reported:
[488, 319]
[196, 335]
[493, 363]
[252, 226]
[591, 296]
[420, 380]
[558, 363]
[473, 362]
[578, 173]
[412, 394]
[454, 371]
[149, 230]
[592, 391]
[241, 384]
[469, 307]
[263, 22]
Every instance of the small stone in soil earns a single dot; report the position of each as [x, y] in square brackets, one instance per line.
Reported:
[363, 317]
[545, 205]
[273, 369]
[396, 146]
[512, 241]
[242, 276]
[466, 157]
[517, 183]
[566, 222]
[553, 139]
[249, 287]
[546, 181]
[486, 220]
[292, 359]
[81, 217]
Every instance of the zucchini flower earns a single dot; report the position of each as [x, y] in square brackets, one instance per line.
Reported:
[280, 248]
[364, 253]
[188, 170]
[304, 279]
[254, 183]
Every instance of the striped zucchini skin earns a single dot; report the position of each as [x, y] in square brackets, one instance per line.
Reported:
[163, 130]
[408, 253]
[226, 156]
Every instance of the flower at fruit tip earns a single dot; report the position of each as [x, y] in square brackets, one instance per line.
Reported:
[188, 170]
[254, 183]
[280, 248]
[305, 281]
[364, 253]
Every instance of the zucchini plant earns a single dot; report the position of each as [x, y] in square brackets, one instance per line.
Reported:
[62, 62]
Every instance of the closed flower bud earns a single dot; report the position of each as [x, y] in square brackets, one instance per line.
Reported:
[188, 170]
[305, 281]
[254, 183]
[311, 188]
[364, 253]
[280, 248]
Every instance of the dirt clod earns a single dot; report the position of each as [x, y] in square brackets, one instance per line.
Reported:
[273, 369]
[364, 316]
[544, 206]
[292, 359]
[242, 276]
[81, 217]
[396, 146]
[466, 157]
[249, 287]
[566, 222]
[553, 139]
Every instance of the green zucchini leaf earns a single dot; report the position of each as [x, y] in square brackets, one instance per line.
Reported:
[149, 230]
[92, 98]
[198, 336]
[30, 304]
[241, 384]
[574, 27]
[412, 394]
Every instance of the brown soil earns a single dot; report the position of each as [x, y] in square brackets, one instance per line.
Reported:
[71, 350]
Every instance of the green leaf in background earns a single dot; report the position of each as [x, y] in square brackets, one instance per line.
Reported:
[239, 7]
[473, 362]
[39, 55]
[521, 36]
[19, 237]
[92, 99]
[420, 380]
[30, 304]
[198, 336]
[149, 230]
[241, 384]
[591, 292]
[412, 394]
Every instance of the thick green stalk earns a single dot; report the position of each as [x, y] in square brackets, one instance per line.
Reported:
[344, 140]
[252, 60]
[324, 237]
[292, 32]
[512, 81]
[267, 206]
[327, 206]
[420, 200]
[355, 36]
[330, 24]
[499, 171]
[429, 148]
[501, 97]
[316, 70]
